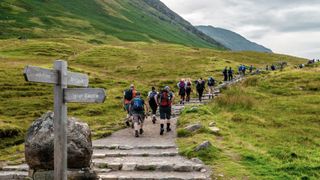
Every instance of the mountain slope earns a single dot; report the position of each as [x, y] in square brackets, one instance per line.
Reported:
[232, 40]
[97, 20]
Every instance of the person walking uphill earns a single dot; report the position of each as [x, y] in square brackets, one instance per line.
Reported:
[188, 90]
[230, 74]
[152, 99]
[137, 110]
[165, 102]
[129, 94]
[211, 84]
[182, 90]
[201, 85]
[225, 74]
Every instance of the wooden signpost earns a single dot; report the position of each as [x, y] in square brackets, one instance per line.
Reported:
[61, 78]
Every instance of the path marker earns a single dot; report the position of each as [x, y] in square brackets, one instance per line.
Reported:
[61, 78]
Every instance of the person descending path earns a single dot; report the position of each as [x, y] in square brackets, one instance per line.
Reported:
[152, 99]
[188, 89]
[211, 84]
[225, 74]
[182, 90]
[165, 102]
[200, 88]
[230, 74]
[129, 94]
[137, 110]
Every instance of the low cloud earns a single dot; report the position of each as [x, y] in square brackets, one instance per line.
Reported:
[260, 21]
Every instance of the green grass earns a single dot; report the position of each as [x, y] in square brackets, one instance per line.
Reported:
[92, 20]
[269, 127]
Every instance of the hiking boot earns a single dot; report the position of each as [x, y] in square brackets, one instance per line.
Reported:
[127, 124]
[141, 131]
[161, 131]
[137, 133]
[154, 119]
[168, 127]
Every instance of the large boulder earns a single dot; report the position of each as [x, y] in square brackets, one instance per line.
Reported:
[39, 144]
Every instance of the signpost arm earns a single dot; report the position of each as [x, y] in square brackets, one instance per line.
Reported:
[60, 123]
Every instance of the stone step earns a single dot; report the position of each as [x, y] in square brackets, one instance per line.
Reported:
[22, 167]
[147, 175]
[13, 175]
[102, 153]
[126, 147]
[168, 164]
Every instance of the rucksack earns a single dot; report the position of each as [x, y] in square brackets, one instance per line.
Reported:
[128, 95]
[200, 85]
[181, 84]
[211, 82]
[165, 99]
[151, 97]
[138, 104]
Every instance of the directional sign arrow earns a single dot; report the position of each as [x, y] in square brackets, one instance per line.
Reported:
[84, 95]
[42, 75]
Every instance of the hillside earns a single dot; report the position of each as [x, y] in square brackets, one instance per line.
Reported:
[99, 21]
[232, 40]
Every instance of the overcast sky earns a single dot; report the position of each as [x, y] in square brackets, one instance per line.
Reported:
[285, 26]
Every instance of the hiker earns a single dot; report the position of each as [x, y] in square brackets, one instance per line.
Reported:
[267, 68]
[152, 100]
[188, 89]
[244, 68]
[166, 97]
[182, 90]
[225, 74]
[240, 69]
[211, 83]
[230, 74]
[200, 88]
[137, 110]
[273, 67]
[129, 94]
[251, 69]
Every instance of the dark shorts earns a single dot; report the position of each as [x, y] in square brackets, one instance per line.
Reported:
[165, 112]
[182, 92]
[154, 107]
[138, 118]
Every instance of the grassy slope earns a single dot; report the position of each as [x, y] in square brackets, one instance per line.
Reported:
[112, 66]
[95, 21]
[270, 128]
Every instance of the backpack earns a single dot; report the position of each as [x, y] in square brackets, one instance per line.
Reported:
[181, 85]
[138, 104]
[200, 85]
[151, 97]
[165, 99]
[128, 95]
[211, 82]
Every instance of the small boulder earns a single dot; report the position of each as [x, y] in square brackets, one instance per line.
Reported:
[214, 130]
[196, 160]
[39, 144]
[193, 127]
[212, 124]
[202, 146]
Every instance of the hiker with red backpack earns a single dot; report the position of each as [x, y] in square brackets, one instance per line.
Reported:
[182, 90]
[129, 94]
[188, 89]
[152, 99]
[201, 85]
[137, 109]
[166, 97]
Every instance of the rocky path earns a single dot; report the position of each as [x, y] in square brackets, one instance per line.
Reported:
[151, 156]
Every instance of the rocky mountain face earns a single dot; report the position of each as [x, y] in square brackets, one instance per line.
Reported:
[232, 40]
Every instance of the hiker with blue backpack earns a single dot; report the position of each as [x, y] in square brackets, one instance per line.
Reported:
[152, 99]
[182, 90]
[165, 100]
[137, 110]
[211, 84]
[129, 94]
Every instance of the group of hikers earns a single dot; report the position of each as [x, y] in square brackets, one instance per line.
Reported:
[137, 109]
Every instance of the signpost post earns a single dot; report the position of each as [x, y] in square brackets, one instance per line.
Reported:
[61, 78]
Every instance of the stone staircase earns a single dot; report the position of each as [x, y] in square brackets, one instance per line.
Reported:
[149, 157]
